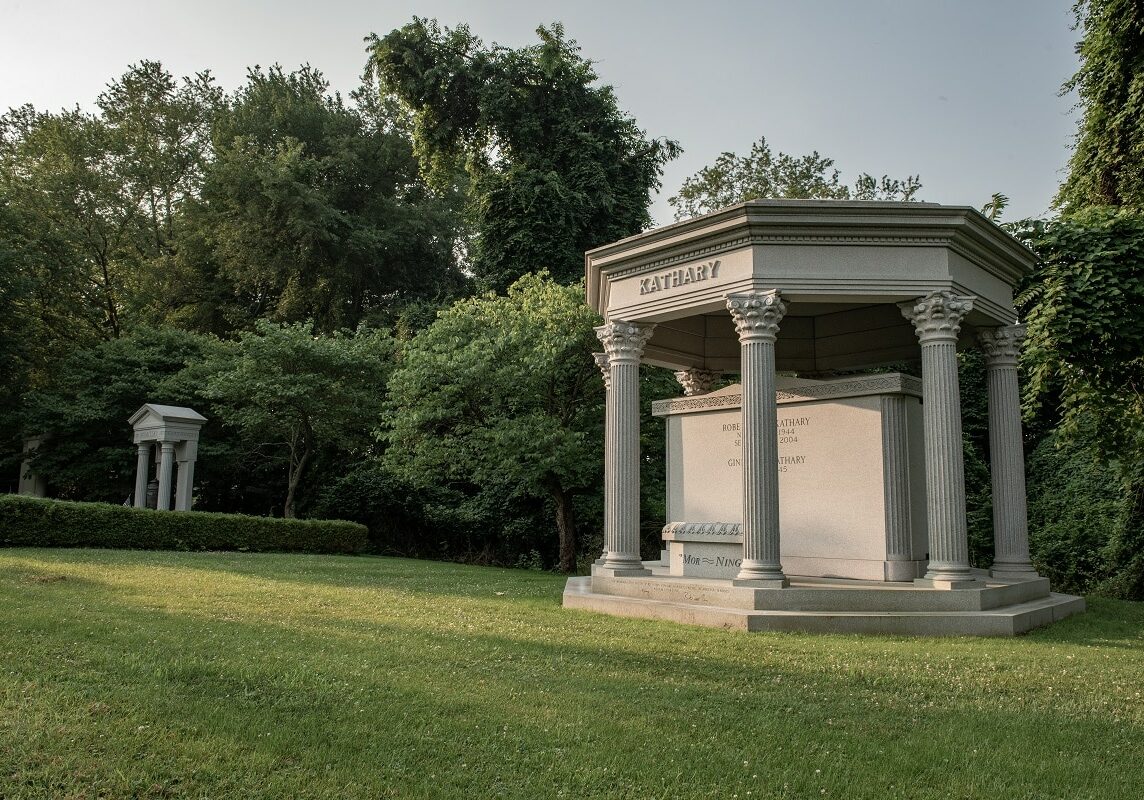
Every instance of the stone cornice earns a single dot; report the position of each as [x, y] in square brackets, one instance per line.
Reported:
[859, 386]
[961, 230]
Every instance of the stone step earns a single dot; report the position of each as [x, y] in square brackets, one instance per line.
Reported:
[822, 595]
[1008, 620]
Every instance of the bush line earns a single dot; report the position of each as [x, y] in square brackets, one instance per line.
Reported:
[37, 522]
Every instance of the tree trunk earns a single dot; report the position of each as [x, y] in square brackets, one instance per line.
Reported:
[565, 524]
[297, 468]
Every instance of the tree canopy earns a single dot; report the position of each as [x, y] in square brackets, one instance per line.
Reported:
[502, 389]
[551, 165]
[762, 174]
[1107, 165]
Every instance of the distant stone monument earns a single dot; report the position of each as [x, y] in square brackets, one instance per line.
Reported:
[805, 503]
[32, 483]
[174, 431]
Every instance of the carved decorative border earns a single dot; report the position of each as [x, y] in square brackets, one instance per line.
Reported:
[889, 383]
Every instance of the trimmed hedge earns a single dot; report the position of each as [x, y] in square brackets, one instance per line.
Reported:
[36, 522]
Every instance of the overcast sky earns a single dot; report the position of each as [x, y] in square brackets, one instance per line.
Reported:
[962, 92]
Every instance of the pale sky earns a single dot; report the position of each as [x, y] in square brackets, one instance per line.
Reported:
[962, 92]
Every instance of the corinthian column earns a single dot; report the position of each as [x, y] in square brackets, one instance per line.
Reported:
[696, 381]
[937, 320]
[166, 467]
[606, 372]
[1002, 346]
[756, 316]
[142, 473]
[623, 346]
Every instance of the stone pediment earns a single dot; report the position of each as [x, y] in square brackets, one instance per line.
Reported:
[157, 422]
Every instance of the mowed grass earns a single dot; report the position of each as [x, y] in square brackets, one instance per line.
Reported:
[132, 674]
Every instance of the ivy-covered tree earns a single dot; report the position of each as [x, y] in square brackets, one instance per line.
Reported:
[1107, 165]
[500, 396]
[551, 165]
[762, 174]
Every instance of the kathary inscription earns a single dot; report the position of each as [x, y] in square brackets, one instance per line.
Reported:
[789, 431]
[674, 278]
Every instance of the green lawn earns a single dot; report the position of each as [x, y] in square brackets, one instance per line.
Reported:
[142, 674]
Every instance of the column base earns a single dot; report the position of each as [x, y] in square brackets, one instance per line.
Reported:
[761, 575]
[762, 583]
[1014, 571]
[634, 570]
[945, 583]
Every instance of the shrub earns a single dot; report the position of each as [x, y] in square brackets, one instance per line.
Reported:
[36, 522]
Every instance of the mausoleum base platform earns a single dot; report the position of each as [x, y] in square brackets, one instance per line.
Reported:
[998, 607]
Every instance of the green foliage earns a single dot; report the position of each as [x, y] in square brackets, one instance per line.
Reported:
[85, 405]
[762, 175]
[500, 400]
[1076, 507]
[1107, 166]
[312, 209]
[554, 167]
[36, 522]
[291, 392]
[1085, 345]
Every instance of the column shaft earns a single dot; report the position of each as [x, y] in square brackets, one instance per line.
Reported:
[937, 320]
[166, 465]
[1006, 453]
[895, 481]
[142, 474]
[757, 317]
[624, 344]
[606, 373]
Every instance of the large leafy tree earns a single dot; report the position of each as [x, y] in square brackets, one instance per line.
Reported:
[500, 395]
[1107, 166]
[551, 165]
[763, 174]
[312, 209]
[291, 393]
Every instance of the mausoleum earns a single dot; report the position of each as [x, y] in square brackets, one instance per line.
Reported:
[172, 432]
[815, 493]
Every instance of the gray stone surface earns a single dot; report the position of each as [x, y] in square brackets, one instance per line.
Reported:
[174, 432]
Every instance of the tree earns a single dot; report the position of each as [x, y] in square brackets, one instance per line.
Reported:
[313, 209]
[761, 174]
[97, 196]
[1107, 165]
[291, 393]
[501, 395]
[550, 164]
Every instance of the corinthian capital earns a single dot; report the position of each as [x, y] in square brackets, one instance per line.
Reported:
[756, 314]
[937, 315]
[1002, 346]
[624, 341]
[696, 381]
[605, 368]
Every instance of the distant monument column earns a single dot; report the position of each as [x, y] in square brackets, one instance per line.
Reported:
[606, 373]
[1002, 347]
[696, 381]
[142, 473]
[166, 465]
[756, 316]
[185, 454]
[623, 344]
[937, 320]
